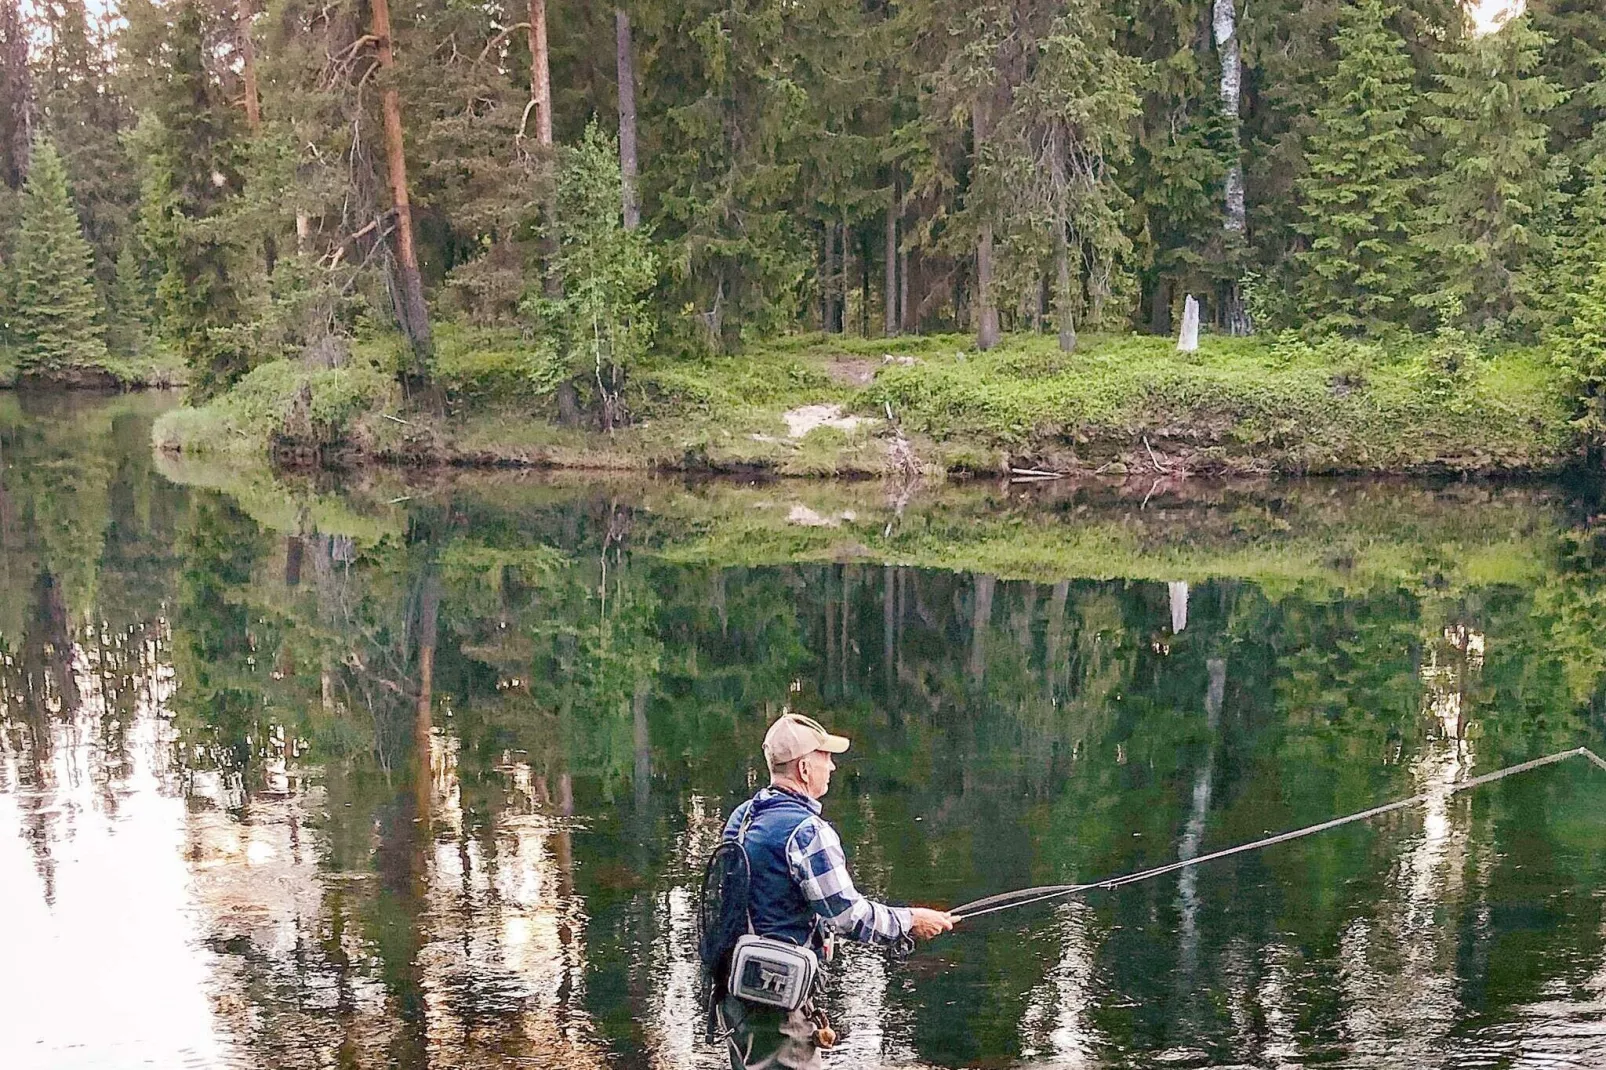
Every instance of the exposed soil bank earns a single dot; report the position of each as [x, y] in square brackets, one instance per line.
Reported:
[1122, 407]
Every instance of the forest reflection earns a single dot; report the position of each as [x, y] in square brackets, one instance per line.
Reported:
[431, 785]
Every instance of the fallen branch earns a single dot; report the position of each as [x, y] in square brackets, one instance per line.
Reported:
[395, 419]
[1158, 467]
[1036, 473]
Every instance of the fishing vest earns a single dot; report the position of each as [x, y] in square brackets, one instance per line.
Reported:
[775, 902]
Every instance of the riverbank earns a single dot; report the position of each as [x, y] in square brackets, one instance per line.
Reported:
[1121, 406]
[156, 371]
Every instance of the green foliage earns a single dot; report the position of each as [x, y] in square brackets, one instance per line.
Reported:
[1491, 202]
[601, 325]
[280, 400]
[55, 318]
[1331, 407]
[1581, 351]
[128, 311]
[1359, 270]
[190, 155]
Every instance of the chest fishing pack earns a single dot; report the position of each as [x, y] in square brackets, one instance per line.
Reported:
[736, 961]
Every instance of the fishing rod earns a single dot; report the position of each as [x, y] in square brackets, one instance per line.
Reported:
[1027, 896]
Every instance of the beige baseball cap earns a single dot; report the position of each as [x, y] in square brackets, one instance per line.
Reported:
[793, 735]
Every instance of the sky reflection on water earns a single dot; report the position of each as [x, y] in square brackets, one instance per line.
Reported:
[435, 791]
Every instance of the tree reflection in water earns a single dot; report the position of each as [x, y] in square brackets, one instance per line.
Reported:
[290, 778]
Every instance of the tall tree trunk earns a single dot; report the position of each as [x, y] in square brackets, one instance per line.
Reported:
[253, 103]
[1236, 224]
[987, 330]
[842, 278]
[540, 74]
[864, 285]
[903, 291]
[16, 79]
[889, 325]
[827, 247]
[986, 313]
[627, 118]
[1160, 310]
[413, 312]
[541, 101]
[1063, 311]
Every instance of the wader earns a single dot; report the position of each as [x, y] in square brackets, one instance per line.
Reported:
[768, 1038]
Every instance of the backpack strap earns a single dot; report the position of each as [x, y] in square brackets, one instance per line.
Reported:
[741, 845]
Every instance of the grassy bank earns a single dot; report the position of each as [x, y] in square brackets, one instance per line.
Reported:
[1121, 406]
[158, 370]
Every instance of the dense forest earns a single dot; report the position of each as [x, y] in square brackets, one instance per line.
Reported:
[237, 182]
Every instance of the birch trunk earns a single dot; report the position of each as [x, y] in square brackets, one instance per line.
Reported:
[1235, 317]
[627, 118]
[412, 311]
[1062, 297]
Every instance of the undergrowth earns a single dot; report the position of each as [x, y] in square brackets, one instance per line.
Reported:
[1269, 403]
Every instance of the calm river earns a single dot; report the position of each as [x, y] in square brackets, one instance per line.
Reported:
[379, 773]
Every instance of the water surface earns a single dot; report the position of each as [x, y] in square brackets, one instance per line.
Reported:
[388, 774]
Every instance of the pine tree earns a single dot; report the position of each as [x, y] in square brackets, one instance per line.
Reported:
[1359, 270]
[1484, 223]
[54, 318]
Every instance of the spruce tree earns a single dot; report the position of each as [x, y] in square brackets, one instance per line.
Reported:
[1575, 61]
[1483, 226]
[1582, 351]
[129, 307]
[191, 155]
[54, 318]
[1359, 269]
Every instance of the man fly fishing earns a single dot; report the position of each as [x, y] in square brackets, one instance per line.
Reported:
[777, 895]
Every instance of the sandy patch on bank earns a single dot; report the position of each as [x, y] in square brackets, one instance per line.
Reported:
[806, 418]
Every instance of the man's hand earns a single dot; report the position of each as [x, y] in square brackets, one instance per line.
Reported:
[926, 923]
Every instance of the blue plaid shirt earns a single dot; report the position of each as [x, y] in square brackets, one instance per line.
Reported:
[820, 870]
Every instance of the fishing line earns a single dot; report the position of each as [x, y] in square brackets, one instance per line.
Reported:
[1028, 896]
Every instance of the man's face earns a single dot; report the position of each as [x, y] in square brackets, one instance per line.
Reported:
[815, 772]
